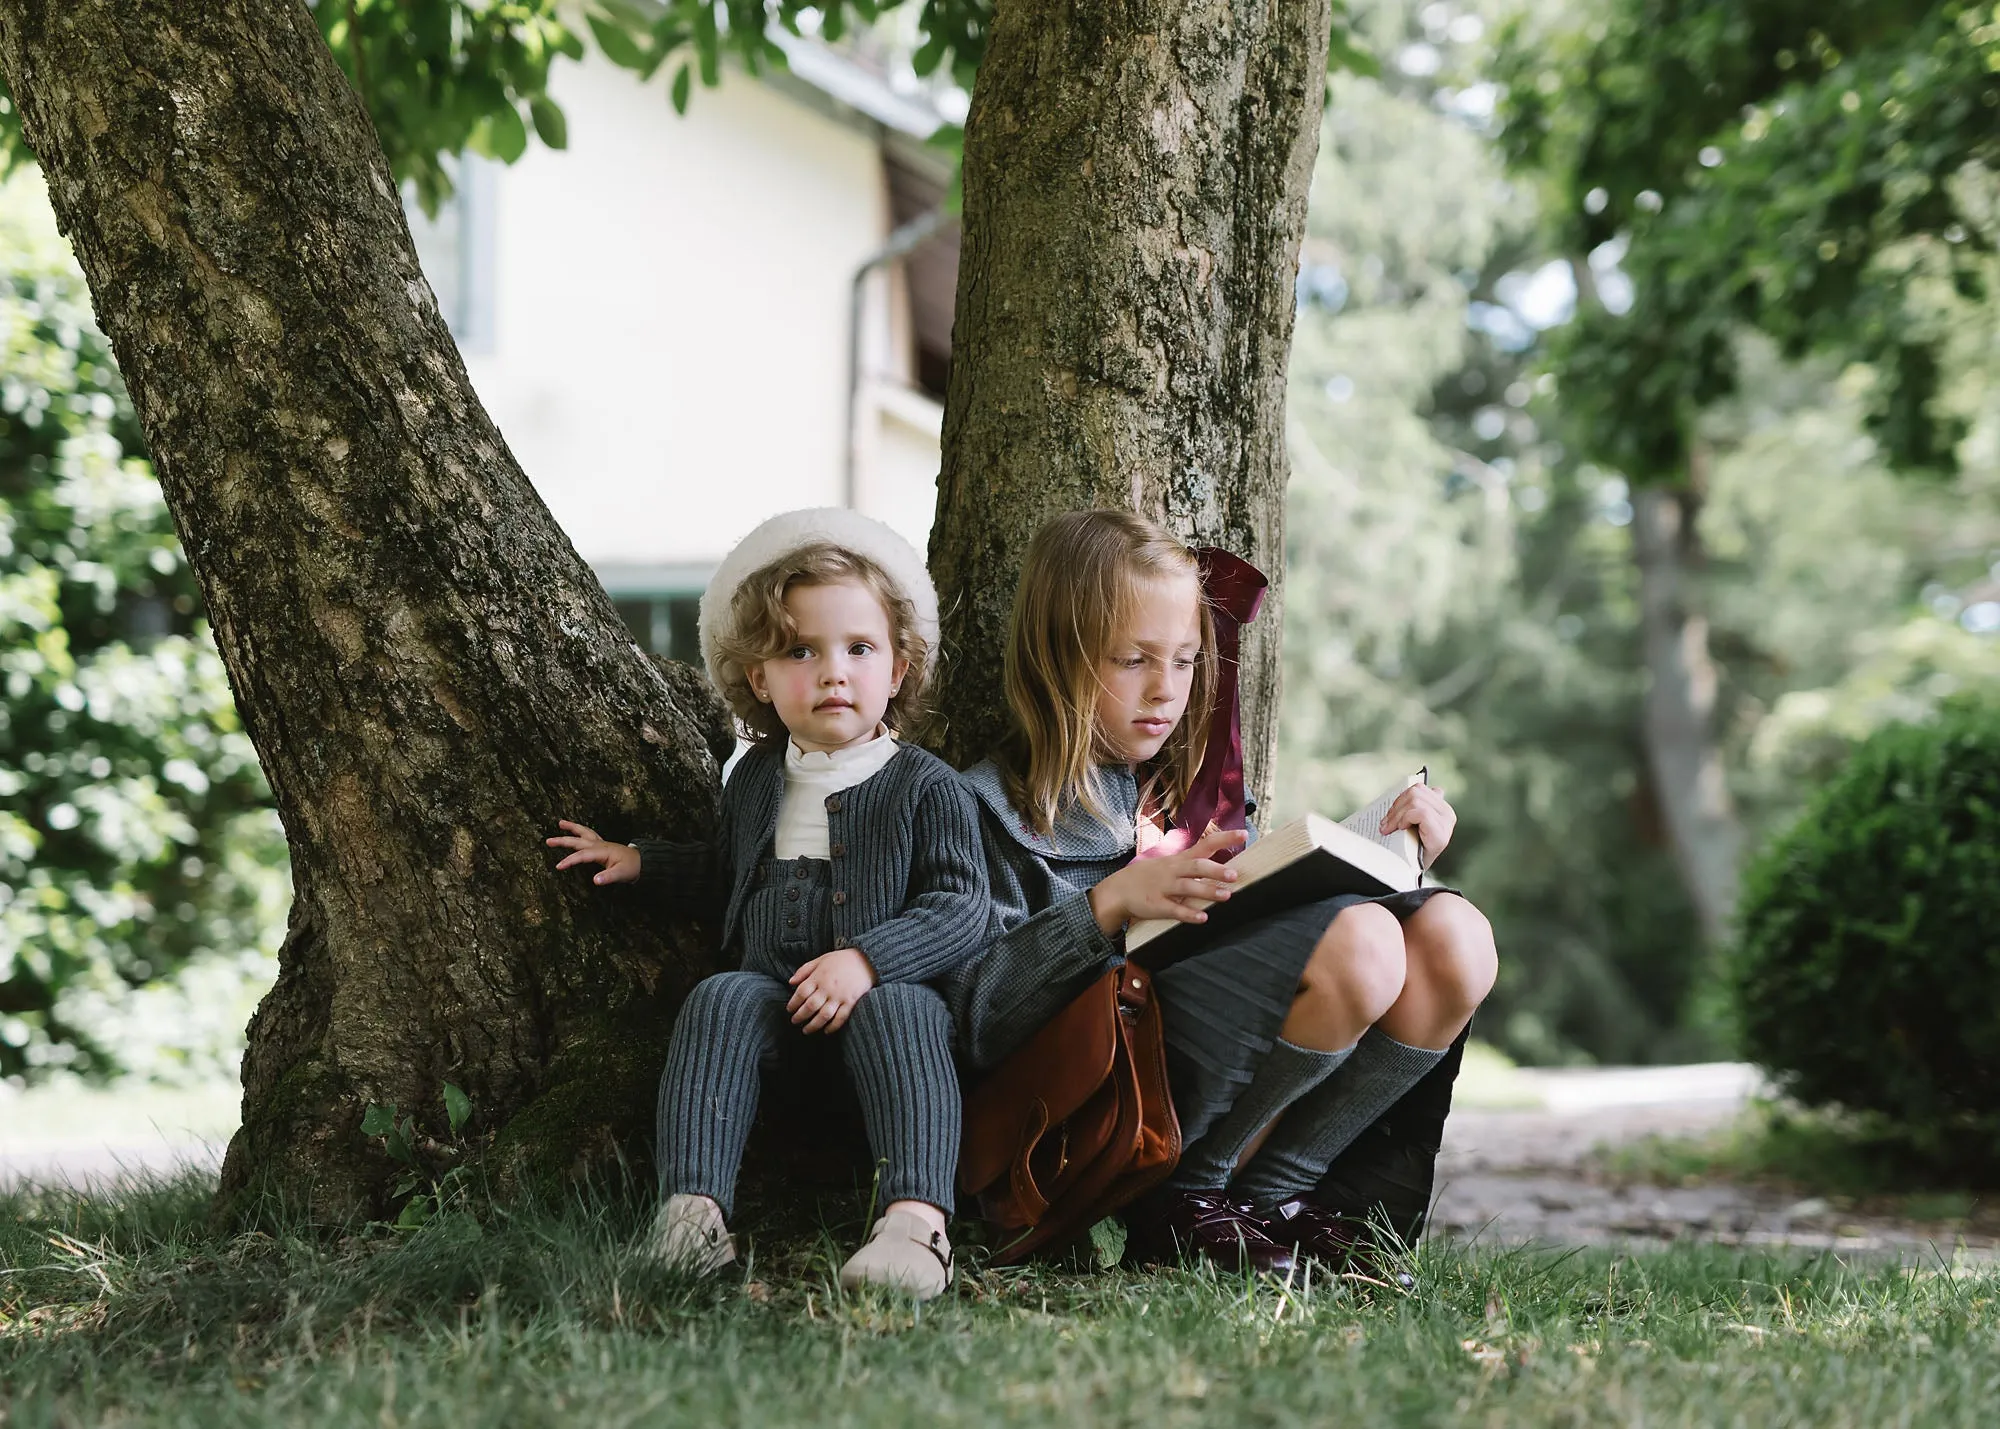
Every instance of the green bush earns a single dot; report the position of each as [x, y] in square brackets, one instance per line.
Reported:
[1867, 973]
[142, 869]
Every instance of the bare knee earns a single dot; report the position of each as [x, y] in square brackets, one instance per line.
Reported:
[1357, 966]
[1450, 953]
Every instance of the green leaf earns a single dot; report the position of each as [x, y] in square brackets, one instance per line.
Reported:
[1107, 1242]
[549, 122]
[378, 1120]
[457, 1107]
[415, 1212]
[506, 135]
[683, 85]
[617, 42]
[929, 55]
[568, 42]
[708, 47]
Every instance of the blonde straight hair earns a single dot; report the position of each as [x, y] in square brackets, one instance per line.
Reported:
[1079, 589]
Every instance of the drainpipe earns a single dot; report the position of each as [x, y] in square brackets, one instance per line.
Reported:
[900, 243]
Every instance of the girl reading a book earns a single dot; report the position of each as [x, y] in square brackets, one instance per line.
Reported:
[1307, 1050]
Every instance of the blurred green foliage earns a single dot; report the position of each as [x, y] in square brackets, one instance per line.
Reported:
[1794, 167]
[1867, 957]
[135, 832]
[1460, 586]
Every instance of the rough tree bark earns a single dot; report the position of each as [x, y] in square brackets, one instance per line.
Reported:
[1681, 750]
[429, 672]
[1136, 174]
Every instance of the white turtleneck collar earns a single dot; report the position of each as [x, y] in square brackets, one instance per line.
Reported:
[810, 777]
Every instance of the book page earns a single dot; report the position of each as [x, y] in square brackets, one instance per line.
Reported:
[1367, 822]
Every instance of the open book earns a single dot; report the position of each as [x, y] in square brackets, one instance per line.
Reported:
[1308, 859]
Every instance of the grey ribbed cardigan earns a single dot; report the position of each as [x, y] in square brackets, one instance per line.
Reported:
[909, 877]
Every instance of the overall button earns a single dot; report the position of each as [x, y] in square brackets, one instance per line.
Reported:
[839, 898]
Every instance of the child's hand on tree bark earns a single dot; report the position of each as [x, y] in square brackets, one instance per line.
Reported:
[621, 861]
[826, 989]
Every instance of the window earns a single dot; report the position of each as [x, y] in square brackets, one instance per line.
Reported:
[660, 605]
[664, 625]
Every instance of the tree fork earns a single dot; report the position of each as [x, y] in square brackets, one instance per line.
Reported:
[430, 673]
[1136, 175]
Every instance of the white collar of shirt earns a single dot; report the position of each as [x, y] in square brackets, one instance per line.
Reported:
[810, 777]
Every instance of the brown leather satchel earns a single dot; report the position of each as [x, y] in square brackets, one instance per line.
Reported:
[1076, 1123]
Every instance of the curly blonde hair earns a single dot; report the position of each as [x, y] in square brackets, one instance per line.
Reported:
[760, 629]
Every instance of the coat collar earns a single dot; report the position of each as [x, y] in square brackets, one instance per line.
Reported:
[1076, 835]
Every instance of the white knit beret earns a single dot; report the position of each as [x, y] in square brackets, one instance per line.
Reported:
[819, 525]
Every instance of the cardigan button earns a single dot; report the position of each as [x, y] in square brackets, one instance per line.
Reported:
[839, 898]
[833, 803]
[838, 851]
[839, 943]
[792, 894]
[802, 871]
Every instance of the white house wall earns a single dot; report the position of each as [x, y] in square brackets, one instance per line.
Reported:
[668, 349]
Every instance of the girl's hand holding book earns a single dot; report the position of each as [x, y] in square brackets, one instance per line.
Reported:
[620, 861]
[1423, 810]
[1161, 887]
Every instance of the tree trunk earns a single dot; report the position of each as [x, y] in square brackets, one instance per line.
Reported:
[430, 674]
[1136, 174]
[1681, 750]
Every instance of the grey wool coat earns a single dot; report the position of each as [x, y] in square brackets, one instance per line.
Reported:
[908, 874]
[1043, 945]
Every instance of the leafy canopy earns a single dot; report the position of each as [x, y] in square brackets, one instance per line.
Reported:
[440, 77]
[1781, 165]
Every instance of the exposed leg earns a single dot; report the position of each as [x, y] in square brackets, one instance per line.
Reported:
[1450, 967]
[708, 1092]
[1355, 974]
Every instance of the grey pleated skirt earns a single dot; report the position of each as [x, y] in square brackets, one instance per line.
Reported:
[1221, 1010]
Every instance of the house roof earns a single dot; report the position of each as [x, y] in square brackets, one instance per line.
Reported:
[853, 86]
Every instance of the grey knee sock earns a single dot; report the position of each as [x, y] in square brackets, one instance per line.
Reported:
[1321, 1124]
[1285, 1075]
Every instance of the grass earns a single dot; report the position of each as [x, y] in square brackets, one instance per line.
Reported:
[131, 1310]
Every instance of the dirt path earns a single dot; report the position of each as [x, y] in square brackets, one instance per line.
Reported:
[1523, 1173]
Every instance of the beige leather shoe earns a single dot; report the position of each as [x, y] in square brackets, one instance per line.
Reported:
[902, 1254]
[688, 1237]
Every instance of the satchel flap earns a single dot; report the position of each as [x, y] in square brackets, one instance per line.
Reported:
[1059, 1067]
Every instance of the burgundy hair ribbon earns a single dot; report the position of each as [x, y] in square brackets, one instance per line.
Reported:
[1234, 590]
